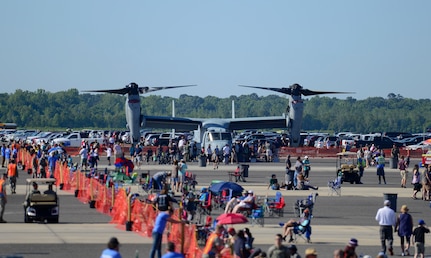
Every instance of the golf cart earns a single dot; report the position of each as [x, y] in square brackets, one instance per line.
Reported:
[41, 201]
[347, 167]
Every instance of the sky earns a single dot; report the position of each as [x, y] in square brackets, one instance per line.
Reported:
[369, 47]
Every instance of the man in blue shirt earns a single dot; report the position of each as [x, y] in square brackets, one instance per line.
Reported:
[171, 252]
[159, 228]
[3, 159]
[113, 250]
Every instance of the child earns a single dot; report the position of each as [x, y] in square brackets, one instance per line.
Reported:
[419, 238]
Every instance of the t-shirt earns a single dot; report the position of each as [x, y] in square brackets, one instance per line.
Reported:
[275, 252]
[160, 224]
[109, 253]
[163, 202]
[419, 234]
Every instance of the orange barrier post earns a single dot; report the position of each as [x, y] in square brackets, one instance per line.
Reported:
[78, 182]
[91, 194]
[129, 221]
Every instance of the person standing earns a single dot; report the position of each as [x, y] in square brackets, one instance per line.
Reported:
[298, 169]
[12, 173]
[416, 181]
[380, 161]
[278, 250]
[387, 219]
[159, 227]
[419, 238]
[3, 154]
[3, 197]
[108, 154]
[307, 166]
[84, 155]
[402, 166]
[182, 169]
[113, 250]
[361, 166]
[175, 184]
[404, 227]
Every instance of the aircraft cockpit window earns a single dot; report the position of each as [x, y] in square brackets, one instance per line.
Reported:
[226, 136]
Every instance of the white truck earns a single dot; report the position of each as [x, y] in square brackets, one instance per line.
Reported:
[75, 139]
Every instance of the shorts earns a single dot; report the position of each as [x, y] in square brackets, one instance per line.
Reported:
[403, 174]
[174, 180]
[419, 248]
[181, 178]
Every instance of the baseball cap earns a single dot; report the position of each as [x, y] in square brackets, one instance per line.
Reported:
[306, 157]
[421, 222]
[250, 191]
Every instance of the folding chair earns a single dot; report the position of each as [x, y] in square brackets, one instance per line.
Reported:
[257, 216]
[276, 205]
[334, 187]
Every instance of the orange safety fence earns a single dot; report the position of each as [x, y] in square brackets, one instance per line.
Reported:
[113, 201]
[103, 199]
[119, 209]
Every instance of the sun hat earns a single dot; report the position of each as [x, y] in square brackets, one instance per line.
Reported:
[310, 251]
[353, 241]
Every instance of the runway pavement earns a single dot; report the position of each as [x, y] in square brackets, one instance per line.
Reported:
[83, 231]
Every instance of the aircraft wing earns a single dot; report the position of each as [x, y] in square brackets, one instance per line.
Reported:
[257, 122]
[177, 123]
[188, 124]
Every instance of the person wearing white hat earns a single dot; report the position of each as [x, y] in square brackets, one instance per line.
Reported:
[387, 219]
[246, 203]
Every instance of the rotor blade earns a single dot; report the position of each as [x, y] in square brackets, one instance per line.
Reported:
[144, 90]
[306, 92]
[280, 90]
[116, 91]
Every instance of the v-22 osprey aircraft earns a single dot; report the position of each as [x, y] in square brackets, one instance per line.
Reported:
[134, 118]
[295, 109]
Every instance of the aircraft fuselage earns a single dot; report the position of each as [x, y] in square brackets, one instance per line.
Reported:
[296, 110]
[133, 117]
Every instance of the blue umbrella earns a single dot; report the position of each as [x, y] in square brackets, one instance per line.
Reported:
[218, 187]
[57, 148]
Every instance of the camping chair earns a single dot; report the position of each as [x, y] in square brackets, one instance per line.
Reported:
[257, 216]
[275, 205]
[302, 231]
[334, 187]
[301, 205]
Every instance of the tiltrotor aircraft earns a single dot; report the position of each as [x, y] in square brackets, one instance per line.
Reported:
[295, 109]
[135, 120]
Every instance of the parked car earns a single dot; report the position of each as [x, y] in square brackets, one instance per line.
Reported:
[423, 145]
[382, 142]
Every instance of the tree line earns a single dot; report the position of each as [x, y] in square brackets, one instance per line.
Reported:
[71, 109]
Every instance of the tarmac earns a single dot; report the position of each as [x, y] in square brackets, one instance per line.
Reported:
[84, 232]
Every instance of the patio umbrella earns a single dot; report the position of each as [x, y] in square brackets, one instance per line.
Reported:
[231, 218]
[217, 188]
